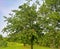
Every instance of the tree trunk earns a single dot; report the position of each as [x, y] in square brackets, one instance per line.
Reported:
[32, 39]
[24, 44]
[31, 44]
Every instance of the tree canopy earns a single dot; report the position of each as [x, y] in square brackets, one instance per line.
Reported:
[36, 24]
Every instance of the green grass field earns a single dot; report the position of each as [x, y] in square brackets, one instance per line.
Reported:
[20, 46]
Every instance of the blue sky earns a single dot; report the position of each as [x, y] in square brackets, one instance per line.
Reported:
[5, 8]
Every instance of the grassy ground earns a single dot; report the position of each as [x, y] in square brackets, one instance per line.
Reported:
[20, 46]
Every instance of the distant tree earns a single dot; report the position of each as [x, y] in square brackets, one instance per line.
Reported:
[1, 37]
[3, 43]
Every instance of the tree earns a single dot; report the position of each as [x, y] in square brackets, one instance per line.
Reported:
[3, 43]
[31, 25]
[50, 16]
[24, 24]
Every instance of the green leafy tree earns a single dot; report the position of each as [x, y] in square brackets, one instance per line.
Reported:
[24, 24]
[50, 16]
[3, 43]
[30, 25]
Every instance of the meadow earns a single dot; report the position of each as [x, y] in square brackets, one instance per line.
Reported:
[12, 45]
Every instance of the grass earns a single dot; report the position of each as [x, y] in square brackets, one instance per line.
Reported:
[20, 46]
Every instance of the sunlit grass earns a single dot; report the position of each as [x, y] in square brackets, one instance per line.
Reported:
[20, 46]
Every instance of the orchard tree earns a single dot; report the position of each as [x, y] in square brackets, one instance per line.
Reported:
[50, 15]
[24, 24]
[31, 23]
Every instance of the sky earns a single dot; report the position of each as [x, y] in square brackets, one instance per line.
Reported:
[5, 8]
